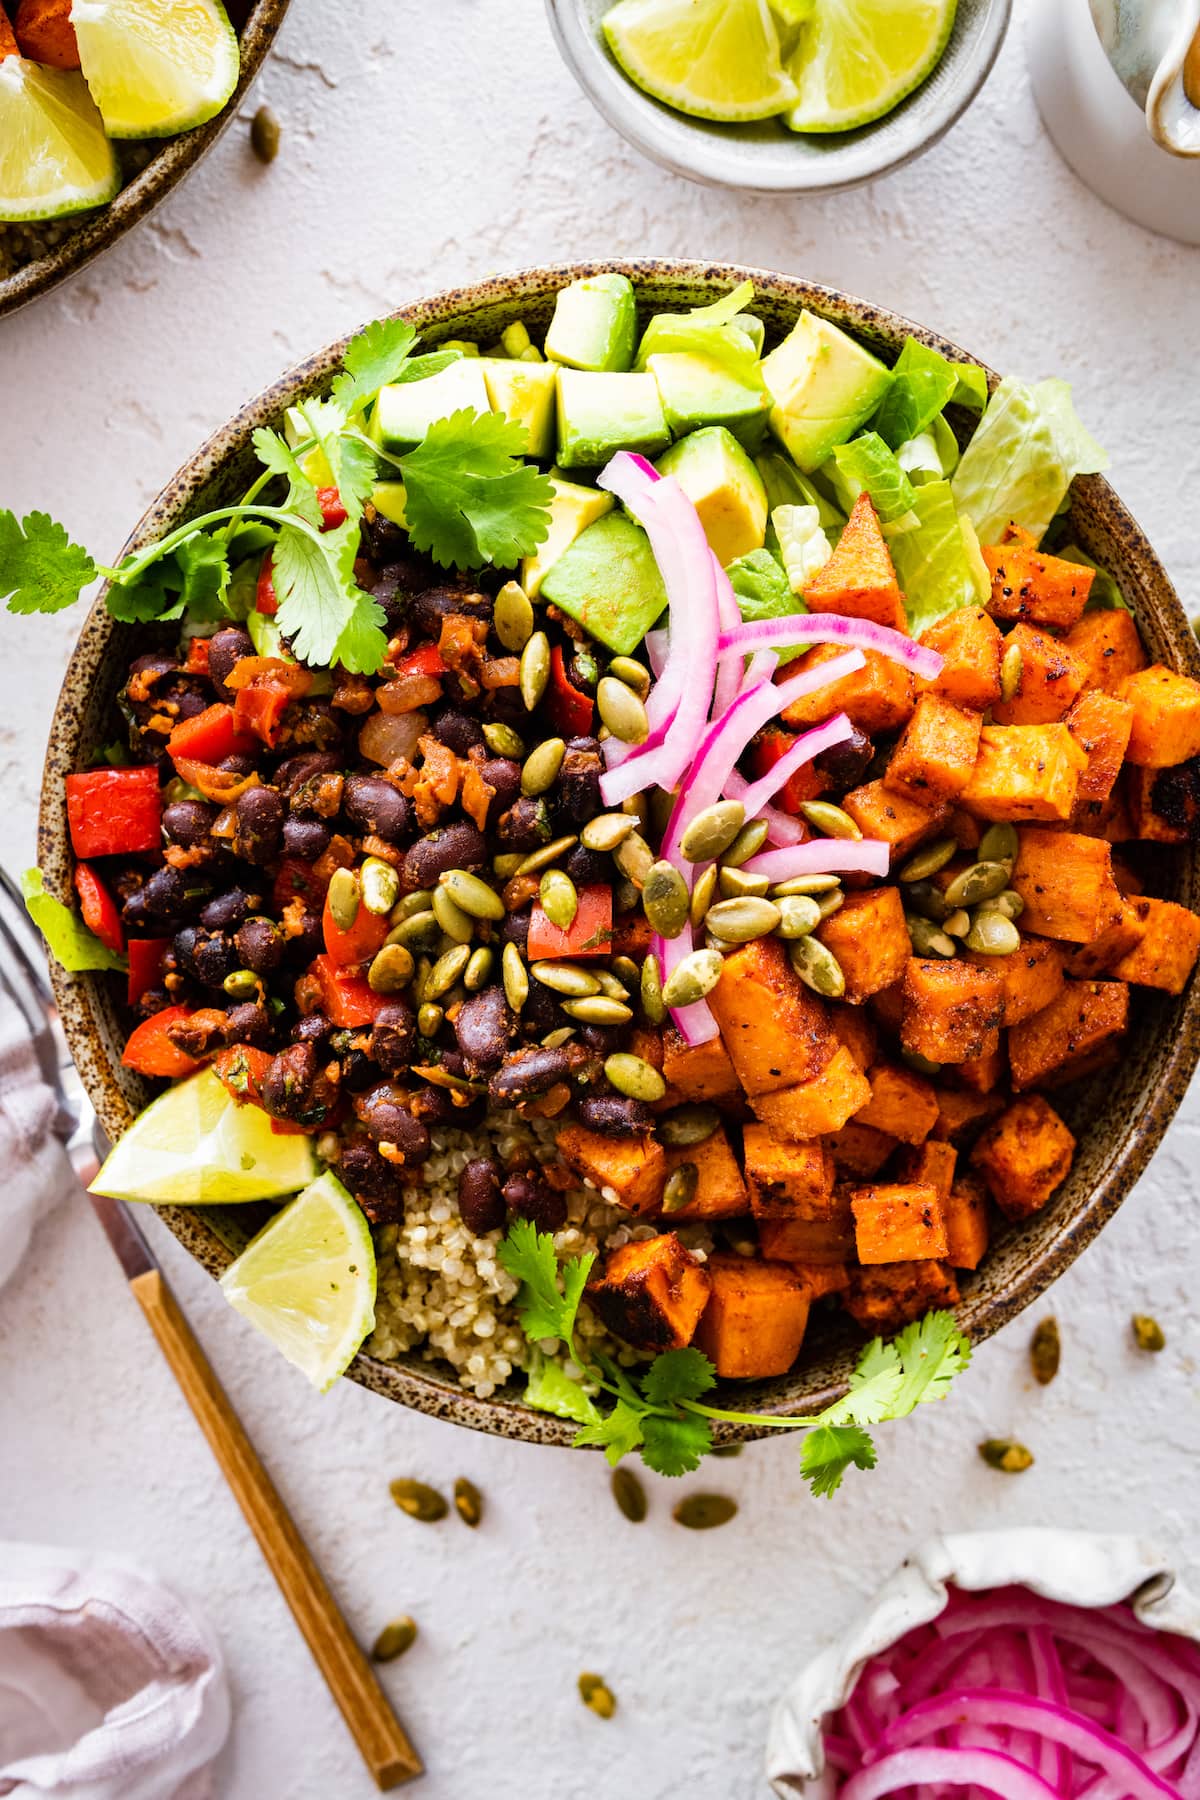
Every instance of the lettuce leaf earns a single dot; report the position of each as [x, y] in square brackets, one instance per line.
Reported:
[1029, 446]
[923, 382]
[786, 486]
[764, 592]
[933, 556]
[67, 938]
[710, 331]
[932, 455]
[866, 465]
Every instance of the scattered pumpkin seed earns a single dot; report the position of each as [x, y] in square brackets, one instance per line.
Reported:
[598, 1695]
[650, 992]
[702, 895]
[817, 967]
[697, 975]
[982, 881]
[515, 977]
[634, 1077]
[957, 924]
[472, 894]
[606, 831]
[419, 1500]
[478, 971]
[559, 898]
[1006, 1455]
[740, 921]
[542, 766]
[929, 859]
[424, 965]
[991, 934]
[420, 900]
[683, 1126]
[429, 1019]
[712, 831]
[1045, 1352]
[922, 1064]
[831, 902]
[735, 883]
[457, 924]
[633, 673]
[446, 971]
[380, 885]
[502, 740]
[626, 971]
[616, 990]
[1148, 1334]
[999, 843]
[680, 1189]
[391, 969]
[598, 1009]
[798, 915]
[1012, 667]
[343, 896]
[554, 1040]
[621, 711]
[553, 852]
[240, 984]
[724, 1450]
[627, 896]
[830, 820]
[505, 866]
[394, 1640]
[924, 898]
[1009, 904]
[468, 1502]
[665, 899]
[264, 135]
[535, 669]
[639, 806]
[629, 1494]
[805, 884]
[634, 858]
[566, 978]
[512, 617]
[420, 931]
[928, 939]
[700, 1512]
[748, 842]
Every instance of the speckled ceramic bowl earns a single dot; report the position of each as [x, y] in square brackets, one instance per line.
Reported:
[91, 233]
[1119, 1119]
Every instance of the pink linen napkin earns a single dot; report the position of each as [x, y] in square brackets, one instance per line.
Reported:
[37, 1171]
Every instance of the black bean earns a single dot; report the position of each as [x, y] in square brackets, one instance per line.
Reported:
[846, 763]
[162, 896]
[483, 1026]
[385, 1113]
[313, 1029]
[306, 941]
[226, 648]
[577, 790]
[227, 910]
[457, 730]
[587, 867]
[435, 1106]
[358, 1072]
[525, 826]
[458, 846]
[602, 1039]
[428, 609]
[515, 929]
[503, 776]
[372, 804]
[238, 764]
[528, 1196]
[259, 946]
[188, 821]
[200, 1033]
[188, 703]
[306, 838]
[540, 1012]
[480, 1202]
[527, 1073]
[296, 1088]
[392, 1037]
[587, 745]
[250, 1023]
[302, 767]
[614, 1115]
[258, 818]
[377, 1186]
[154, 1000]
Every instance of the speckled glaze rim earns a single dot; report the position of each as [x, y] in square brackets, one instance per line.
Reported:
[1119, 1119]
[151, 185]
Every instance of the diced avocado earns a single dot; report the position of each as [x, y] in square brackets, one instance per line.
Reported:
[754, 329]
[594, 324]
[572, 510]
[823, 386]
[725, 488]
[525, 392]
[515, 338]
[609, 581]
[314, 463]
[699, 390]
[464, 346]
[404, 412]
[266, 636]
[601, 414]
[388, 498]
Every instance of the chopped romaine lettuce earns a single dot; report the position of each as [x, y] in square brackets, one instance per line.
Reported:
[930, 456]
[764, 592]
[802, 543]
[67, 938]
[938, 566]
[923, 382]
[1020, 463]
[710, 331]
[786, 486]
[866, 465]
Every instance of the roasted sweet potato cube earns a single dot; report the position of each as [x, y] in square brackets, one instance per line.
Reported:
[1066, 881]
[1164, 804]
[902, 1103]
[868, 936]
[931, 1164]
[1024, 1156]
[859, 579]
[651, 1293]
[8, 41]
[701, 1071]
[1100, 725]
[981, 1074]
[755, 1319]
[816, 1107]
[1166, 717]
[966, 1215]
[854, 1027]
[899, 821]
[961, 1114]
[1073, 1036]
[45, 33]
[1101, 956]
[935, 757]
[720, 1190]
[1108, 645]
[1051, 679]
[884, 1298]
[897, 1222]
[787, 1179]
[860, 1149]
[823, 1242]
[1032, 976]
[878, 698]
[1025, 772]
[628, 1171]
[969, 643]
[775, 1029]
[1166, 954]
[831, 1278]
[888, 1004]
[1027, 584]
[952, 1011]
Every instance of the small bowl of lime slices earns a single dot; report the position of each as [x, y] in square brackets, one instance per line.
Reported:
[780, 96]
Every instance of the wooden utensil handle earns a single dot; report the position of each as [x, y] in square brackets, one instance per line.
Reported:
[350, 1678]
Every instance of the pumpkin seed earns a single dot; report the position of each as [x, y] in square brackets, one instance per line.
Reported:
[429, 1019]
[1045, 1352]
[1010, 904]
[740, 921]
[712, 831]
[928, 939]
[420, 900]
[542, 766]
[700, 1512]
[1006, 1455]
[748, 842]
[991, 934]
[626, 971]
[343, 896]
[446, 971]
[639, 806]
[629, 1494]
[702, 895]
[391, 969]
[921, 1064]
[478, 971]
[240, 984]
[419, 1500]
[929, 859]
[999, 843]
[380, 885]
[982, 881]
[680, 1189]
[468, 1502]
[394, 1640]
[598, 1009]
[606, 831]
[650, 992]
[665, 899]
[621, 711]
[817, 967]
[697, 975]
[472, 894]
[559, 899]
[627, 896]
[505, 866]
[1012, 667]
[535, 669]
[634, 674]
[735, 883]
[424, 964]
[635, 859]
[830, 820]
[566, 978]
[688, 1125]
[554, 1040]
[721, 945]
[616, 990]
[798, 915]
[264, 135]
[598, 1695]
[420, 931]
[1148, 1334]
[724, 1450]
[957, 924]
[457, 925]
[514, 976]
[924, 898]
[831, 902]
[634, 1077]
[553, 852]
[502, 740]
[512, 616]
[805, 884]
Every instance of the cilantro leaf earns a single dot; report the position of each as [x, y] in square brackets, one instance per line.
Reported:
[529, 1256]
[674, 1446]
[351, 459]
[829, 1450]
[678, 1375]
[874, 1386]
[550, 1389]
[932, 1351]
[372, 359]
[41, 570]
[278, 456]
[469, 498]
[147, 595]
[68, 939]
[619, 1432]
[328, 617]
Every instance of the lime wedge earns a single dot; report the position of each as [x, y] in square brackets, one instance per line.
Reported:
[54, 156]
[195, 1146]
[307, 1281]
[857, 59]
[715, 59]
[156, 67]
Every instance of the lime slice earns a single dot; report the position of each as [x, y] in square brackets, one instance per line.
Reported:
[715, 59]
[307, 1281]
[156, 67]
[54, 156]
[195, 1146]
[857, 59]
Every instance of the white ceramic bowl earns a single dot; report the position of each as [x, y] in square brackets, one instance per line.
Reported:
[766, 158]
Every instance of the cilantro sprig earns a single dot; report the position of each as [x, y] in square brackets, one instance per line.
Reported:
[470, 501]
[660, 1412]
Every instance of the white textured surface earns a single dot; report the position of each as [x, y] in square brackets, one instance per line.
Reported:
[423, 146]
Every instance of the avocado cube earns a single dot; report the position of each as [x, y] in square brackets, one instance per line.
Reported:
[594, 324]
[725, 488]
[572, 510]
[823, 387]
[609, 581]
[404, 412]
[524, 392]
[601, 414]
[314, 463]
[388, 498]
[699, 390]
[754, 329]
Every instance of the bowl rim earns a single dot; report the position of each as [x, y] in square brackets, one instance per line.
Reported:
[652, 129]
[79, 997]
[151, 185]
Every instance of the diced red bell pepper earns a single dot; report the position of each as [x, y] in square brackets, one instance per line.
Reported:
[151, 1052]
[259, 710]
[210, 736]
[145, 965]
[428, 660]
[359, 944]
[589, 933]
[265, 598]
[114, 812]
[333, 513]
[197, 656]
[297, 879]
[807, 783]
[570, 709]
[242, 1070]
[99, 909]
[346, 1000]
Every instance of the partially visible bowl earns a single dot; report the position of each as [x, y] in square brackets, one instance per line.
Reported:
[84, 236]
[1119, 1118]
[766, 158]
